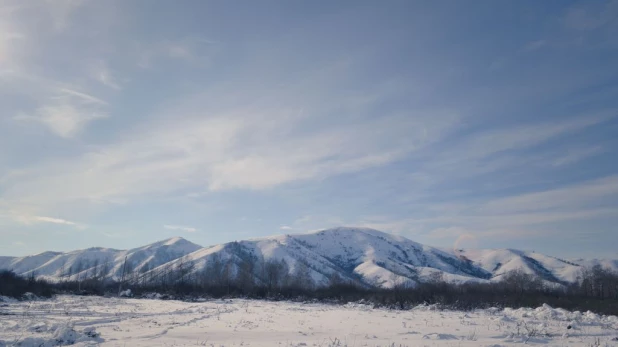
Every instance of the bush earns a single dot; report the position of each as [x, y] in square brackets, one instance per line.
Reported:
[15, 286]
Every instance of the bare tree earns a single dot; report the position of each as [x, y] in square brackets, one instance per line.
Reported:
[436, 277]
[183, 268]
[277, 274]
[122, 277]
[227, 276]
[95, 270]
[599, 282]
[245, 277]
[335, 279]
[63, 268]
[302, 276]
[105, 268]
[212, 273]
[520, 282]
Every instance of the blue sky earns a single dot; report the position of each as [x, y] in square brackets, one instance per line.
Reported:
[454, 123]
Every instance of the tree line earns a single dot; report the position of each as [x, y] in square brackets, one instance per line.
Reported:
[595, 290]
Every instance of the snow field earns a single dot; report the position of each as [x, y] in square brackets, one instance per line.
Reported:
[97, 321]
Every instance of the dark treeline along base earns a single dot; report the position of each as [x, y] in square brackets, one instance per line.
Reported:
[597, 291]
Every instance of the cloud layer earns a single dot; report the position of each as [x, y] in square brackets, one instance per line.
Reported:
[297, 119]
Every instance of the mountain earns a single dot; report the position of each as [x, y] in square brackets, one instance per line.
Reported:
[99, 262]
[500, 261]
[373, 258]
[364, 256]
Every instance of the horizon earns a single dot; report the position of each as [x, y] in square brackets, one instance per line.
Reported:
[457, 125]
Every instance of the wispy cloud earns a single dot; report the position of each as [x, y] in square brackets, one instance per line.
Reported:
[64, 119]
[409, 134]
[535, 45]
[234, 148]
[575, 155]
[66, 111]
[180, 228]
[10, 37]
[194, 50]
[575, 197]
[53, 220]
[500, 220]
[28, 219]
[61, 11]
[105, 76]
[491, 150]
[84, 98]
[491, 141]
[591, 15]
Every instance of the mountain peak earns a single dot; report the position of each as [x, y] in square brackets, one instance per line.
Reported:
[349, 229]
[174, 240]
[360, 232]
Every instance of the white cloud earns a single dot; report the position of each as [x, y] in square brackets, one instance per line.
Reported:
[494, 150]
[257, 147]
[490, 142]
[67, 112]
[535, 45]
[61, 12]
[573, 197]
[53, 220]
[84, 98]
[30, 219]
[105, 76]
[575, 155]
[286, 228]
[10, 38]
[7, 40]
[514, 216]
[180, 228]
[188, 49]
[179, 51]
[592, 15]
[65, 120]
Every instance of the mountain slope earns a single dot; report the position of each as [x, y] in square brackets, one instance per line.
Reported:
[364, 256]
[373, 258]
[500, 261]
[99, 262]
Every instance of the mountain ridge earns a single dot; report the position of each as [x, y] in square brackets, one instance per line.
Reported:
[364, 256]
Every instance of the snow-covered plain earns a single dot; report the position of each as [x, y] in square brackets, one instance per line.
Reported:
[97, 321]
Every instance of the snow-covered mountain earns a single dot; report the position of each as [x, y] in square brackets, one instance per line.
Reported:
[500, 261]
[99, 262]
[361, 255]
[365, 256]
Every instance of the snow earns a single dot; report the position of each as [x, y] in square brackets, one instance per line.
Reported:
[611, 264]
[90, 321]
[365, 256]
[53, 265]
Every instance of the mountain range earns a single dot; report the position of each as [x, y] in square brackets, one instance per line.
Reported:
[365, 256]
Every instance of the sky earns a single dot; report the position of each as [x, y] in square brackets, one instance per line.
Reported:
[477, 124]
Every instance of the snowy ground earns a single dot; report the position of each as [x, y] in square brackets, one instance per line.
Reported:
[93, 321]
